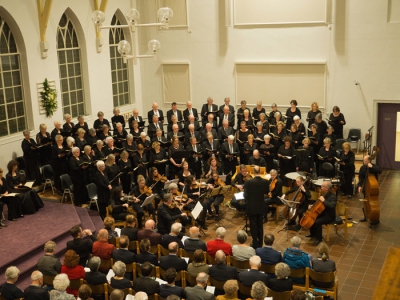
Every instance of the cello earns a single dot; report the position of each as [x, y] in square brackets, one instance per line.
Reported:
[371, 208]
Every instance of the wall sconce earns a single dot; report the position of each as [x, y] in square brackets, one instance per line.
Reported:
[124, 48]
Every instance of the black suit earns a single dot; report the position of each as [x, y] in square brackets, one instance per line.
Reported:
[194, 165]
[205, 110]
[151, 131]
[166, 290]
[95, 278]
[173, 261]
[223, 134]
[124, 255]
[192, 245]
[231, 109]
[34, 292]
[170, 113]
[130, 232]
[213, 131]
[147, 256]
[222, 272]
[249, 277]
[138, 119]
[186, 114]
[195, 124]
[147, 285]
[231, 119]
[257, 162]
[188, 135]
[82, 247]
[229, 162]
[254, 191]
[150, 115]
[167, 238]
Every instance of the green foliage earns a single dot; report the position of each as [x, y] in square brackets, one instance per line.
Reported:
[49, 99]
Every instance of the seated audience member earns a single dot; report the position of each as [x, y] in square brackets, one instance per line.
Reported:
[193, 242]
[117, 295]
[268, 255]
[259, 291]
[296, 258]
[170, 288]
[198, 291]
[242, 251]
[221, 271]
[94, 277]
[218, 243]
[85, 292]
[198, 264]
[60, 284]
[141, 296]
[123, 254]
[130, 230]
[298, 295]
[146, 283]
[48, 264]
[72, 269]
[249, 277]
[173, 236]
[145, 254]
[172, 260]
[35, 290]
[231, 288]
[9, 290]
[119, 281]
[323, 264]
[149, 233]
[109, 226]
[173, 297]
[282, 282]
[82, 246]
[102, 248]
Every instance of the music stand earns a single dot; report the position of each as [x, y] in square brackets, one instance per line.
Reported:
[220, 191]
[289, 204]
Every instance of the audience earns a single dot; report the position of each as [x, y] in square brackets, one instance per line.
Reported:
[35, 290]
[198, 291]
[282, 282]
[9, 290]
[145, 283]
[123, 254]
[60, 284]
[173, 236]
[198, 264]
[72, 269]
[170, 288]
[145, 254]
[193, 242]
[231, 288]
[298, 295]
[172, 260]
[130, 230]
[119, 281]
[218, 243]
[102, 248]
[82, 247]
[242, 251]
[323, 264]
[48, 264]
[94, 277]
[117, 295]
[85, 292]
[109, 226]
[296, 258]
[258, 291]
[141, 296]
[249, 277]
[173, 297]
[268, 255]
[221, 271]
[149, 233]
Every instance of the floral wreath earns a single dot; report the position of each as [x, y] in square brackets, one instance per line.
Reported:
[49, 99]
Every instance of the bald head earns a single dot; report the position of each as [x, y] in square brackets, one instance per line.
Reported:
[194, 232]
[256, 170]
[149, 225]
[103, 234]
[256, 154]
[36, 276]
[173, 247]
[220, 257]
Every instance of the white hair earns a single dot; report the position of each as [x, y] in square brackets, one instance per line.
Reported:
[255, 261]
[99, 164]
[61, 282]
[12, 272]
[220, 232]
[231, 137]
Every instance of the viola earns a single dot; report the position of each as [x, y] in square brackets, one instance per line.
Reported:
[272, 187]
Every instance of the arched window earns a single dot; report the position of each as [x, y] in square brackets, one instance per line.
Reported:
[69, 63]
[119, 70]
[12, 104]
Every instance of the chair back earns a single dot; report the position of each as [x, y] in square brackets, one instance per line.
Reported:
[267, 269]
[321, 277]
[98, 289]
[75, 284]
[239, 264]
[66, 182]
[217, 283]
[139, 270]
[327, 167]
[131, 268]
[92, 190]
[354, 135]
[47, 172]
[184, 253]
[153, 297]
[134, 246]
[339, 143]
[21, 163]
[190, 279]
[161, 274]
[162, 251]
[113, 241]
[279, 295]
[297, 273]
[48, 280]
[127, 291]
[210, 259]
[244, 290]
[106, 264]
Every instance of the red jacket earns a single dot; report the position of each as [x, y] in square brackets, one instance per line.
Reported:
[218, 244]
[77, 272]
[102, 249]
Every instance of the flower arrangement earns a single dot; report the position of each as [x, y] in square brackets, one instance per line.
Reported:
[49, 99]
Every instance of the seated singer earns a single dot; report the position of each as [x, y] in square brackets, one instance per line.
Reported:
[238, 182]
[212, 183]
[274, 192]
[168, 212]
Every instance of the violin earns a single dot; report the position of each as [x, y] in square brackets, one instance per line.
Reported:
[160, 178]
[219, 182]
[179, 197]
[248, 177]
[145, 191]
[272, 187]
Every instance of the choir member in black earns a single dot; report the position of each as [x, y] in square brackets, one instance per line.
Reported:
[192, 133]
[117, 118]
[175, 161]
[247, 119]
[70, 144]
[175, 132]
[98, 151]
[157, 155]
[312, 113]
[209, 129]
[109, 147]
[140, 161]
[192, 121]
[112, 170]
[135, 130]
[337, 121]
[156, 181]
[347, 167]
[195, 157]
[183, 173]
[81, 124]
[286, 159]
[154, 124]
[274, 192]
[257, 160]
[98, 124]
[44, 138]
[126, 179]
[174, 120]
[207, 108]
[57, 130]
[174, 111]
[267, 151]
[238, 182]
[322, 127]
[315, 144]
[31, 156]
[259, 132]
[212, 183]
[193, 193]
[140, 193]
[326, 155]
[248, 149]
[211, 147]
[225, 131]
[257, 111]
[80, 140]
[119, 204]
[87, 157]
[59, 161]
[135, 117]
[240, 111]
[275, 121]
[103, 188]
[211, 119]
[291, 112]
[104, 133]
[264, 122]
[228, 116]
[300, 126]
[91, 137]
[129, 145]
[13, 203]
[76, 174]
[329, 134]
[229, 153]
[305, 158]
[68, 125]
[168, 212]
[279, 134]
[190, 111]
[227, 102]
[303, 195]
[368, 168]
[120, 135]
[213, 165]
[155, 112]
[145, 142]
[272, 113]
[242, 137]
[159, 137]
[295, 136]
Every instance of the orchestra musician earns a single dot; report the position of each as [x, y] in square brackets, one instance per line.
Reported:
[337, 121]
[328, 214]
[119, 204]
[229, 153]
[190, 111]
[214, 182]
[68, 125]
[305, 162]
[155, 112]
[135, 117]
[367, 168]
[274, 192]
[267, 151]
[156, 182]
[183, 173]
[291, 112]
[248, 150]
[169, 211]
[117, 118]
[207, 108]
[238, 182]
[326, 154]
[98, 124]
[227, 115]
[174, 111]
[213, 165]
[192, 191]
[175, 162]
[140, 192]
[257, 160]
[195, 157]
[347, 167]
[312, 113]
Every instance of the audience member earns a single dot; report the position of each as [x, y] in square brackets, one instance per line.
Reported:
[145, 283]
[109, 226]
[298, 295]
[323, 264]
[231, 288]
[242, 251]
[72, 269]
[149, 233]
[296, 258]
[173, 297]
[145, 254]
[193, 242]
[123, 254]
[198, 291]
[85, 292]
[249, 277]
[94, 277]
[198, 264]
[119, 281]
[221, 271]
[130, 230]
[35, 290]
[282, 282]
[141, 296]
[117, 295]
[172, 260]
[218, 243]
[170, 288]
[9, 290]
[82, 247]
[173, 236]
[102, 248]
[48, 264]
[258, 291]
[60, 284]
[268, 255]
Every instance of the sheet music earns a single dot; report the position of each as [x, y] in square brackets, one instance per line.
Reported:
[9, 195]
[186, 259]
[87, 269]
[184, 238]
[197, 210]
[29, 184]
[148, 200]
[210, 289]
[130, 297]
[160, 281]
[110, 275]
[239, 196]
[268, 298]
[169, 182]
[118, 230]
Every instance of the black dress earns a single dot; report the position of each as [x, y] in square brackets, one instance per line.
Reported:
[31, 157]
[305, 160]
[158, 156]
[13, 203]
[174, 170]
[268, 153]
[256, 114]
[328, 156]
[248, 152]
[80, 143]
[290, 115]
[138, 160]
[126, 178]
[348, 170]
[59, 163]
[286, 165]
[112, 171]
[296, 139]
[89, 171]
[103, 192]
[45, 152]
[68, 127]
[335, 123]
[311, 117]
[76, 174]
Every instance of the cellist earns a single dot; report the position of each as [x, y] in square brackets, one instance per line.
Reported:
[274, 192]
[303, 195]
[328, 214]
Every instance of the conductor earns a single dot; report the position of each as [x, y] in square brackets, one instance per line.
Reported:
[254, 192]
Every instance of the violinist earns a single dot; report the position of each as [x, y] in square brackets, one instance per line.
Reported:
[328, 214]
[212, 183]
[192, 191]
[168, 211]
[140, 193]
[267, 151]
[303, 195]
[238, 182]
[274, 192]
[119, 204]
[156, 182]
[195, 156]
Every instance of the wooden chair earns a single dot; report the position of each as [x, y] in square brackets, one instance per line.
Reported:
[244, 290]
[106, 264]
[210, 259]
[323, 277]
[267, 269]
[299, 273]
[240, 265]
[341, 210]
[277, 206]
[114, 242]
[118, 223]
[280, 295]
[237, 172]
[162, 251]
[131, 268]
[127, 291]
[75, 284]
[138, 269]
[154, 250]
[217, 283]
[99, 289]
[48, 280]
[134, 247]
[189, 279]
[153, 297]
